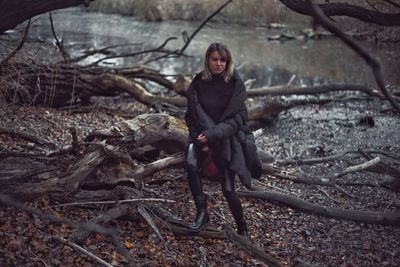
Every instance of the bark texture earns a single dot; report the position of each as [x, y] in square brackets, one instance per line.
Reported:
[15, 12]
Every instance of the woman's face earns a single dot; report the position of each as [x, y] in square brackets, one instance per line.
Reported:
[216, 63]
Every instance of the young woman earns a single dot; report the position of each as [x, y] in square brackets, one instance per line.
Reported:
[217, 121]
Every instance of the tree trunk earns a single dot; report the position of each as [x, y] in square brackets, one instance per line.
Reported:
[333, 212]
[15, 12]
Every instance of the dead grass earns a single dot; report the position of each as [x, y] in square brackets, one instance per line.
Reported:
[253, 11]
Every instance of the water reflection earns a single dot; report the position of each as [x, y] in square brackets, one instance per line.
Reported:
[268, 62]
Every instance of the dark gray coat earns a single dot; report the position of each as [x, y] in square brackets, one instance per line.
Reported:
[232, 142]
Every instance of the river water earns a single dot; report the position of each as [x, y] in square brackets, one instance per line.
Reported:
[268, 62]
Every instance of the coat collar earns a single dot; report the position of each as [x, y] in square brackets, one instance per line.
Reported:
[236, 101]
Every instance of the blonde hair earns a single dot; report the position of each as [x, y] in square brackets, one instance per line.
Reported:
[225, 54]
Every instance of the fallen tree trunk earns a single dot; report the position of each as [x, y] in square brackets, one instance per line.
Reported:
[332, 212]
[63, 84]
[98, 168]
[312, 90]
[11, 13]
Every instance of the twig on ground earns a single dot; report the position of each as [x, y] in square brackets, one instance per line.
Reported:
[220, 215]
[41, 260]
[142, 211]
[115, 202]
[344, 191]
[273, 187]
[250, 248]
[359, 167]
[27, 136]
[82, 250]
[326, 194]
[6, 200]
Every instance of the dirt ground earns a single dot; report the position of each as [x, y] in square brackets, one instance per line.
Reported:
[293, 237]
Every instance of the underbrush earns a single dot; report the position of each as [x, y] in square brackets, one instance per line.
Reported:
[246, 11]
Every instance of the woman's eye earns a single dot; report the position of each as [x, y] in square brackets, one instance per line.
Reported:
[220, 59]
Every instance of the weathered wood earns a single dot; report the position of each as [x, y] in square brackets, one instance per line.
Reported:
[312, 90]
[60, 84]
[15, 12]
[110, 81]
[161, 131]
[332, 212]
[81, 234]
[345, 9]
[251, 249]
[27, 136]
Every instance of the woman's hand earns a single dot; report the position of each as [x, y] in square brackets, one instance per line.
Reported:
[202, 138]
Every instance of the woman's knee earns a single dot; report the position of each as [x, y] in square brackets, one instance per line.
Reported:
[191, 162]
[228, 190]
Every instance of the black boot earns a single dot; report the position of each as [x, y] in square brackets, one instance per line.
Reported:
[228, 188]
[196, 188]
[242, 229]
[202, 217]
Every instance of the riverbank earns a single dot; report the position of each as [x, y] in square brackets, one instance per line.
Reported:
[290, 235]
[247, 12]
[268, 62]
[250, 12]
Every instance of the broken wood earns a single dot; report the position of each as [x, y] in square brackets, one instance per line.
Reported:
[375, 217]
[312, 90]
[251, 248]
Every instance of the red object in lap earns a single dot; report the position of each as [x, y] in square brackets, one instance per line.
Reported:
[210, 170]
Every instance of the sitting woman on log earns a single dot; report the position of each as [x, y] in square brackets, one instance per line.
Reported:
[219, 138]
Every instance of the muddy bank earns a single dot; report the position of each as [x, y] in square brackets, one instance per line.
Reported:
[290, 235]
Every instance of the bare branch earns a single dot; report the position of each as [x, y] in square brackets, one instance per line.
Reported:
[142, 211]
[371, 60]
[189, 39]
[372, 5]
[27, 136]
[104, 50]
[20, 44]
[252, 249]
[392, 3]
[344, 9]
[359, 167]
[82, 250]
[6, 200]
[59, 45]
[115, 202]
[159, 49]
[11, 11]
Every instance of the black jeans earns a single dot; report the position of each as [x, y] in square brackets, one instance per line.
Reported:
[193, 160]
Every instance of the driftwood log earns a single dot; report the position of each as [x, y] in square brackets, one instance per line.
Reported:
[126, 154]
[100, 165]
[65, 84]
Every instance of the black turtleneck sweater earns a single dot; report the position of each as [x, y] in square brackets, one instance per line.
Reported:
[213, 96]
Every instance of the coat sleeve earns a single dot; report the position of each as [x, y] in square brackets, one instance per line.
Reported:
[189, 119]
[227, 128]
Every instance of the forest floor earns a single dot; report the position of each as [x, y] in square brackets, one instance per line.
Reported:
[289, 235]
